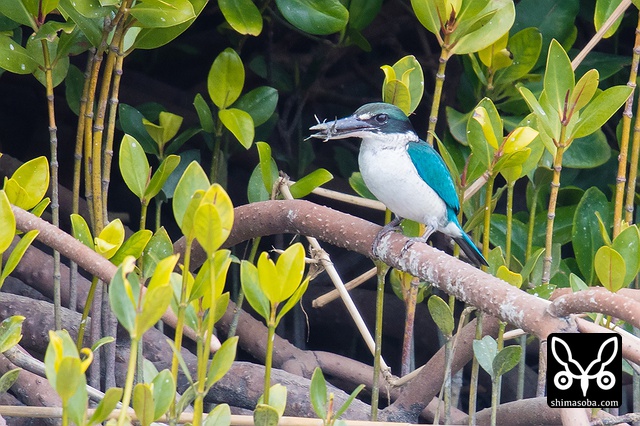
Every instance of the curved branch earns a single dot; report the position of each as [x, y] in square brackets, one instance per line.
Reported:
[598, 300]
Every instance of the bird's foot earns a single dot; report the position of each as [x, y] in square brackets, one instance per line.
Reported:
[389, 227]
[410, 242]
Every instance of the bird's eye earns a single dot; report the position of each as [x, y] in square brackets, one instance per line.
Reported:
[381, 118]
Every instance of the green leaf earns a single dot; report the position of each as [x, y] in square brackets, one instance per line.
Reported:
[91, 28]
[17, 11]
[506, 359]
[143, 403]
[193, 179]
[158, 248]
[134, 165]
[586, 237]
[357, 184]
[293, 300]
[208, 228]
[204, 113]
[441, 315]
[549, 124]
[317, 17]
[290, 269]
[604, 9]
[121, 297]
[340, 411]
[397, 93]
[265, 415]
[585, 88]
[485, 351]
[10, 332]
[106, 406]
[600, 110]
[222, 361]
[81, 231]
[267, 170]
[59, 66]
[588, 152]
[427, 14]
[512, 278]
[17, 253]
[69, 378]
[499, 16]
[610, 268]
[161, 175]
[161, 14]
[308, 183]
[91, 8]
[164, 393]
[151, 38]
[8, 379]
[15, 58]
[226, 78]
[559, 79]
[33, 178]
[318, 393]
[131, 121]
[7, 222]
[133, 246]
[525, 46]
[219, 416]
[239, 123]
[242, 15]
[260, 103]
[252, 290]
[627, 243]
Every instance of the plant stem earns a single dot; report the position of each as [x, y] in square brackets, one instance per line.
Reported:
[626, 116]
[268, 360]
[487, 217]
[85, 312]
[409, 321]
[532, 223]
[55, 202]
[128, 386]
[507, 248]
[475, 370]
[375, 391]
[551, 212]
[437, 93]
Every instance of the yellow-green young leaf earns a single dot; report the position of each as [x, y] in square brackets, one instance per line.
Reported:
[627, 243]
[133, 246]
[585, 88]
[441, 314]
[154, 130]
[239, 123]
[226, 78]
[431, 14]
[397, 93]
[154, 305]
[389, 74]
[219, 416]
[559, 79]
[69, 378]
[160, 176]
[33, 177]
[40, 207]
[610, 268]
[170, 124]
[243, 16]
[308, 183]
[488, 54]
[158, 247]
[193, 179]
[476, 29]
[512, 278]
[188, 221]
[111, 399]
[550, 125]
[10, 332]
[318, 393]
[218, 197]
[265, 415]
[482, 117]
[110, 239]
[293, 300]
[277, 398]
[208, 229]
[290, 266]
[134, 165]
[17, 253]
[250, 281]
[600, 110]
[411, 76]
[8, 379]
[143, 403]
[520, 138]
[7, 222]
[264, 153]
[80, 230]
[269, 280]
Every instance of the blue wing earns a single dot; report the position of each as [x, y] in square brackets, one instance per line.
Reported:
[434, 172]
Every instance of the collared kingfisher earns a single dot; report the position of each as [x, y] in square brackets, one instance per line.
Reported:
[404, 172]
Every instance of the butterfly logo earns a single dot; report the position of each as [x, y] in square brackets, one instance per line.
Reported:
[564, 379]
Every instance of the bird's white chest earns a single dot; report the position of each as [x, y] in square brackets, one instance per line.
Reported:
[391, 176]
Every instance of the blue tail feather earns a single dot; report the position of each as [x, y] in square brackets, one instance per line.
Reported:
[471, 250]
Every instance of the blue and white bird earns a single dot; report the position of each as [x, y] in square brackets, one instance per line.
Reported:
[405, 173]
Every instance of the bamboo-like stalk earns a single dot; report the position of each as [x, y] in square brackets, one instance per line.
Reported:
[487, 217]
[507, 248]
[497, 381]
[268, 359]
[475, 371]
[532, 222]
[128, 387]
[410, 302]
[551, 211]
[635, 148]
[55, 202]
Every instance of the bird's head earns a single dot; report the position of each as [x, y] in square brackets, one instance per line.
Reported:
[370, 120]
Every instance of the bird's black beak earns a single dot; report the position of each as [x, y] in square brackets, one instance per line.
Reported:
[340, 129]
